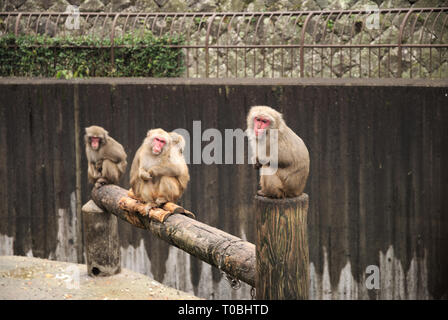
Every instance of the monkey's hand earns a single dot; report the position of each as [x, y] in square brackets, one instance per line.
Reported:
[144, 174]
[153, 172]
[96, 174]
[164, 170]
[99, 165]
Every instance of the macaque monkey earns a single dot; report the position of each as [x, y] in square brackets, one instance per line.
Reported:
[288, 162]
[106, 157]
[159, 173]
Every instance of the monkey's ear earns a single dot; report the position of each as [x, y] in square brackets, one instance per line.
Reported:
[178, 140]
[181, 143]
[249, 120]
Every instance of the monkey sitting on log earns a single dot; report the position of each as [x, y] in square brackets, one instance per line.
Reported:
[159, 173]
[291, 160]
[105, 156]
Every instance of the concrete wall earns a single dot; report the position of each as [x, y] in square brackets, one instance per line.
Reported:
[378, 181]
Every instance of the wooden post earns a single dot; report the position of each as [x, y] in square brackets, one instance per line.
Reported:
[282, 248]
[100, 241]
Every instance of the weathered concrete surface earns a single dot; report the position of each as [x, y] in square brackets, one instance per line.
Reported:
[26, 278]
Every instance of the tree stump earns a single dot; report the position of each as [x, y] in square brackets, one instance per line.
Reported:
[101, 241]
[282, 256]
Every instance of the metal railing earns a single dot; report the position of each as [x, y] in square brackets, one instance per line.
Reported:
[402, 42]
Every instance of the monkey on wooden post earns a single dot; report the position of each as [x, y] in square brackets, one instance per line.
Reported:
[159, 173]
[277, 148]
[105, 156]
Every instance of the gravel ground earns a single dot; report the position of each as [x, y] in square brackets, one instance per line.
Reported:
[25, 278]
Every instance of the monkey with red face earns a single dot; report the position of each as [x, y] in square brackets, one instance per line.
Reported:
[289, 156]
[159, 173]
[105, 156]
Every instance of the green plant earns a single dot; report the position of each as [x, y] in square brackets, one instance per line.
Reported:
[90, 56]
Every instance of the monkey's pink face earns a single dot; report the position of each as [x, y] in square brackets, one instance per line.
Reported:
[260, 125]
[158, 144]
[95, 142]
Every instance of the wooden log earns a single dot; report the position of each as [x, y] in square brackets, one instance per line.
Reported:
[231, 254]
[101, 241]
[282, 248]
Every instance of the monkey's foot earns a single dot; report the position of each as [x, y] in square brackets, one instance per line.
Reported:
[150, 209]
[158, 214]
[276, 195]
[174, 208]
[161, 201]
[132, 195]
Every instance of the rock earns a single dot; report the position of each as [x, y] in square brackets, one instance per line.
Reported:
[202, 5]
[160, 3]
[32, 5]
[418, 71]
[257, 5]
[379, 2]
[430, 59]
[120, 5]
[395, 4]
[75, 2]
[91, 6]
[46, 26]
[390, 35]
[441, 72]
[59, 6]
[146, 6]
[364, 4]
[46, 4]
[308, 5]
[17, 3]
[429, 3]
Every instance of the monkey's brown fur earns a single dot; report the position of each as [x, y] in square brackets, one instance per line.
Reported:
[159, 178]
[108, 163]
[293, 158]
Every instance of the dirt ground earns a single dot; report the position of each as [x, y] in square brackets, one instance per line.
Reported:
[25, 278]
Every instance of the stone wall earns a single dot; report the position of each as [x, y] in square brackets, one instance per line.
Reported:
[207, 5]
[270, 62]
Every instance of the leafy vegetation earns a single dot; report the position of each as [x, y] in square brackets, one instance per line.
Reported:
[90, 56]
